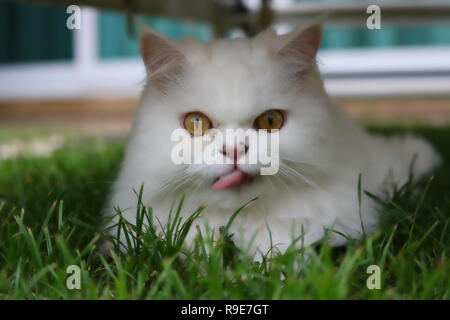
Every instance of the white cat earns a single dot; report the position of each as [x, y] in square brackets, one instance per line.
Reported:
[267, 82]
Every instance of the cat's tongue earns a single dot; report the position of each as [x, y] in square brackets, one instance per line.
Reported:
[228, 180]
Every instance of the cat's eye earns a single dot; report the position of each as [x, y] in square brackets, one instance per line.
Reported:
[269, 120]
[196, 123]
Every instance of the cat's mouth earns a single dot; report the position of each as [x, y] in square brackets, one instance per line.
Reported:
[229, 179]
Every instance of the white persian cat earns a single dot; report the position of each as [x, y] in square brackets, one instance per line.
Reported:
[267, 82]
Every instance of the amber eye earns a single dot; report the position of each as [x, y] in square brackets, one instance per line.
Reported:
[269, 120]
[196, 123]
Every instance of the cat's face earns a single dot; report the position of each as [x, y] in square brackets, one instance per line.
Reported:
[267, 83]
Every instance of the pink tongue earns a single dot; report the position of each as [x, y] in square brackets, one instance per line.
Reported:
[228, 180]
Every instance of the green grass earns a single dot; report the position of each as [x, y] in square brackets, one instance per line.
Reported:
[50, 213]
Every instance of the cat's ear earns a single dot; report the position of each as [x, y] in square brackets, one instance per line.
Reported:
[302, 44]
[163, 60]
[299, 48]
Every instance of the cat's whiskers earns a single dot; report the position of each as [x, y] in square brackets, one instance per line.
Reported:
[203, 180]
[315, 164]
[180, 184]
[177, 179]
[289, 171]
[190, 178]
[173, 180]
[281, 181]
[269, 179]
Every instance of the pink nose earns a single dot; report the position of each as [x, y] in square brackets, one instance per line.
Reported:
[234, 153]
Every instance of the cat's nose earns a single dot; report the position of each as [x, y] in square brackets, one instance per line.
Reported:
[234, 153]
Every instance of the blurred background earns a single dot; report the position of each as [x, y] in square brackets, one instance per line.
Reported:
[89, 79]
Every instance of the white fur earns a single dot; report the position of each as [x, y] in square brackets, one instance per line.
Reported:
[321, 151]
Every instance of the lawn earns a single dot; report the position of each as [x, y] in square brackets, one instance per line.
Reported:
[50, 216]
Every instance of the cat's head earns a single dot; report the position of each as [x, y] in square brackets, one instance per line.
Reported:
[268, 82]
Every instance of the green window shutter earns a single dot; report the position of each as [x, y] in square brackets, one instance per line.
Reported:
[33, 33]
[387, 36]
[115, 42]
